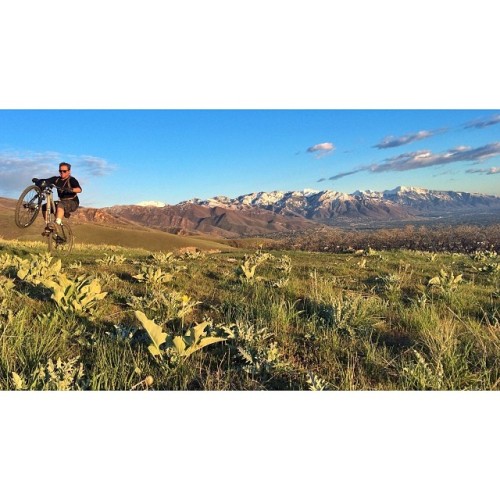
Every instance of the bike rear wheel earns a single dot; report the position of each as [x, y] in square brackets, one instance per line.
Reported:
[28, 206]
[60, 239]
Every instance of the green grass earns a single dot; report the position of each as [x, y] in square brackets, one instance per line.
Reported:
[333, 321]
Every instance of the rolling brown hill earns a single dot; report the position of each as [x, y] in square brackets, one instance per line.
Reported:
[193, 219]
[97, 227]
[7, 203]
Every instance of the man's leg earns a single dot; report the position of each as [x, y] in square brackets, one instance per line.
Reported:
[59, 213]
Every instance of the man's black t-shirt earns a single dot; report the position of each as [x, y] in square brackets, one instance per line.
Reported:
[69, 183]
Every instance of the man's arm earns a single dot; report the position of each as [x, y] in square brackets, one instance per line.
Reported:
[75, 186]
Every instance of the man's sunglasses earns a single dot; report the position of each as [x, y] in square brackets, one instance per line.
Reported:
[63, 171]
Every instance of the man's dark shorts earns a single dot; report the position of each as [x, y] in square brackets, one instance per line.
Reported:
[69, 206]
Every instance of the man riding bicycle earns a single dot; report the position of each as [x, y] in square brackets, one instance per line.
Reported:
[67, 189]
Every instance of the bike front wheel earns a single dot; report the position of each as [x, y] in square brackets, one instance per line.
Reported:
[60, 239]
[28, 206]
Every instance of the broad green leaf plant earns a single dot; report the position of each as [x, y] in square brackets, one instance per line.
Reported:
[178, 346]
[79, 295]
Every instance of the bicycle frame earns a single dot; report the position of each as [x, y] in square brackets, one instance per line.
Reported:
[59, 236]
[50, 209]
[57, 233]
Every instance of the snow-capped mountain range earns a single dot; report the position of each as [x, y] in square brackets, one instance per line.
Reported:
[278, 212]
[326, 205]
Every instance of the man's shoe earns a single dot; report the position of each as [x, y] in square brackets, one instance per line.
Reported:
[46, 232]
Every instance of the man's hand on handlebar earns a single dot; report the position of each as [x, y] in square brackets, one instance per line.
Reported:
[39, 182]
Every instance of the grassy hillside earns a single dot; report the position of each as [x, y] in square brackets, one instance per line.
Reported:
[131, 235]
[112, 318]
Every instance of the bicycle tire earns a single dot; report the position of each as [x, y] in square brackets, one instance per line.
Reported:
[61, 239]
[27, 207]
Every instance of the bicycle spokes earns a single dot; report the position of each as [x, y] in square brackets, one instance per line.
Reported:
[60, 238]
[28, 206]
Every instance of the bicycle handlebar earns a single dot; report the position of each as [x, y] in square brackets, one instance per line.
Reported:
[42, 183]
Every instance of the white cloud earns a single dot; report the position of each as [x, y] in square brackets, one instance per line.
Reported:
[344, 174]
[93, 165]
[425, 158]
[18, 168]
[487, 171]
[321, 149]
[392, 142]
[492, 120]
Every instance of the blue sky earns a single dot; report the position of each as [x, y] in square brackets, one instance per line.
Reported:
[129, 156]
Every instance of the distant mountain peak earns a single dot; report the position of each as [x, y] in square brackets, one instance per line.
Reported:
[310, 192]
[406, 189]
[159, 204]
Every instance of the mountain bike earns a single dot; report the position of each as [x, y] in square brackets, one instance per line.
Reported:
[59, 236]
